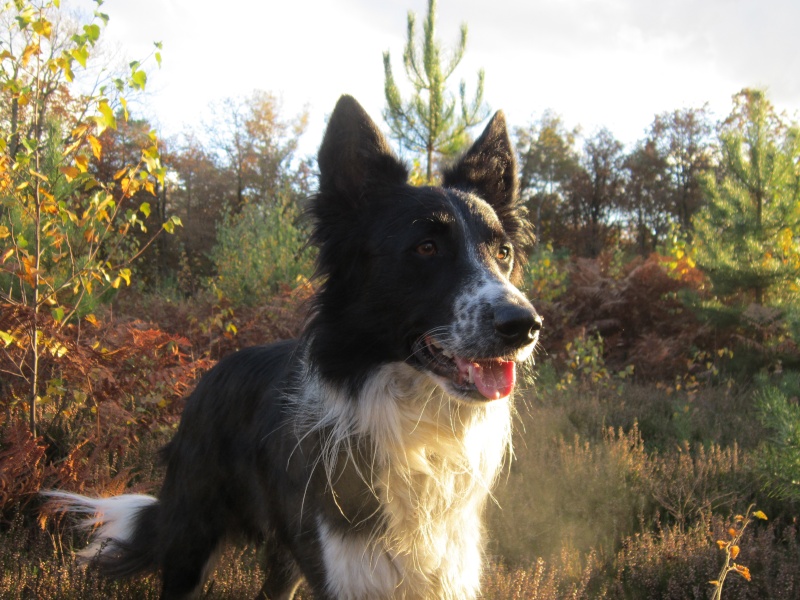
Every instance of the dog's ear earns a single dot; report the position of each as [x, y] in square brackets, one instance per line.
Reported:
[354, 154]
[489, 167]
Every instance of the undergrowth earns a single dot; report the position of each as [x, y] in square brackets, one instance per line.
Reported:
[621, 486]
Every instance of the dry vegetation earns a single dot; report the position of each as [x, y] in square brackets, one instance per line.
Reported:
[621, 485]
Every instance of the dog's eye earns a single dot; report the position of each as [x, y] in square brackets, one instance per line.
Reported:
[426, 249]
[504, 253]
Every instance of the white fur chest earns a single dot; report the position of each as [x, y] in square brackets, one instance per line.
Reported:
[435, 460]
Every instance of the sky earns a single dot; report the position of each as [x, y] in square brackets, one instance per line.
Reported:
[597, 63]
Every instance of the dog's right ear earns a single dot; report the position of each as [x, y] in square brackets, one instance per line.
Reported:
[354, 155]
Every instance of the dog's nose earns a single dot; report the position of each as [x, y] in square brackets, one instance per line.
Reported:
[516, 324]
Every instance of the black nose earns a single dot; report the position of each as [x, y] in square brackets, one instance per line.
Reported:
[516, 324]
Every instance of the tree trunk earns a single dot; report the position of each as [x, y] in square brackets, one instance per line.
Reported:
[429, 174]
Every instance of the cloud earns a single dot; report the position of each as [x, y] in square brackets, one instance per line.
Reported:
[612, 63]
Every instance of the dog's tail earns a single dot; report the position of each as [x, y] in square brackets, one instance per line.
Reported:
[123, 538]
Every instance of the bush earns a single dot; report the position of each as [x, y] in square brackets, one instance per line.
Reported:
[779, 458]
[260, 250]
[546, 276]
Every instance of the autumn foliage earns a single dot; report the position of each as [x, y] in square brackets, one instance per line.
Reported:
[662, 404]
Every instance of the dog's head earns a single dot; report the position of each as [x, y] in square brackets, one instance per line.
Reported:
[421, 275]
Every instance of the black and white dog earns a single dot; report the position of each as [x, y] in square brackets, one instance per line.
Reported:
[362, 454]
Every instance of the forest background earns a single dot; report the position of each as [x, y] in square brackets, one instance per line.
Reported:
[665, 405]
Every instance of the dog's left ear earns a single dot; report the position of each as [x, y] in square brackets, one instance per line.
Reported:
[489, 167]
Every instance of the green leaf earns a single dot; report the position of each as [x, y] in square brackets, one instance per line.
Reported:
[144, 207]
[58, 314]
[170, 224]
[92, 32]
[138, 79]
[6, 338]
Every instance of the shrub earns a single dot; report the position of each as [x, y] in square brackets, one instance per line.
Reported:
[546, 276]
[259, 251]
[779, 457]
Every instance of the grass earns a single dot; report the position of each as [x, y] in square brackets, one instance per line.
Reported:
[616, 492]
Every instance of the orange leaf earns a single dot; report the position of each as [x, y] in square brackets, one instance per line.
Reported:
[734, 552]
[70, 172]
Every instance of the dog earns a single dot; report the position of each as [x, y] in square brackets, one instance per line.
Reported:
[360, 455]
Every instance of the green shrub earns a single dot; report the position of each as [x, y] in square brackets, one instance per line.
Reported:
[779, 457]
[546, 276]
[258, 251]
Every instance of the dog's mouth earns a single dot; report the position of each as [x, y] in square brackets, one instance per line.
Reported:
[483, 378]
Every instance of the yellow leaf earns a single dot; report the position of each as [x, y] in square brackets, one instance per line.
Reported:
[760, 515]
[91, 318]
[58, 350]
[82, 162]
[722, 544]
[714, 583]
[29, 51]
[43, 27]
[106, 119]
[97, 147]
[39, 175]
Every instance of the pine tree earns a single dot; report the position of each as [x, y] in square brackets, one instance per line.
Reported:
[747, 238]
[428, 121]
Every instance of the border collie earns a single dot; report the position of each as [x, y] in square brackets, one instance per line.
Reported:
[361, 455]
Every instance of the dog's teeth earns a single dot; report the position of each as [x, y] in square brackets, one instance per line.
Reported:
[434, 343]
[471, 374]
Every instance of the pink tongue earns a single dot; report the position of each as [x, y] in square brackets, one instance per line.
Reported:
[494, 378]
